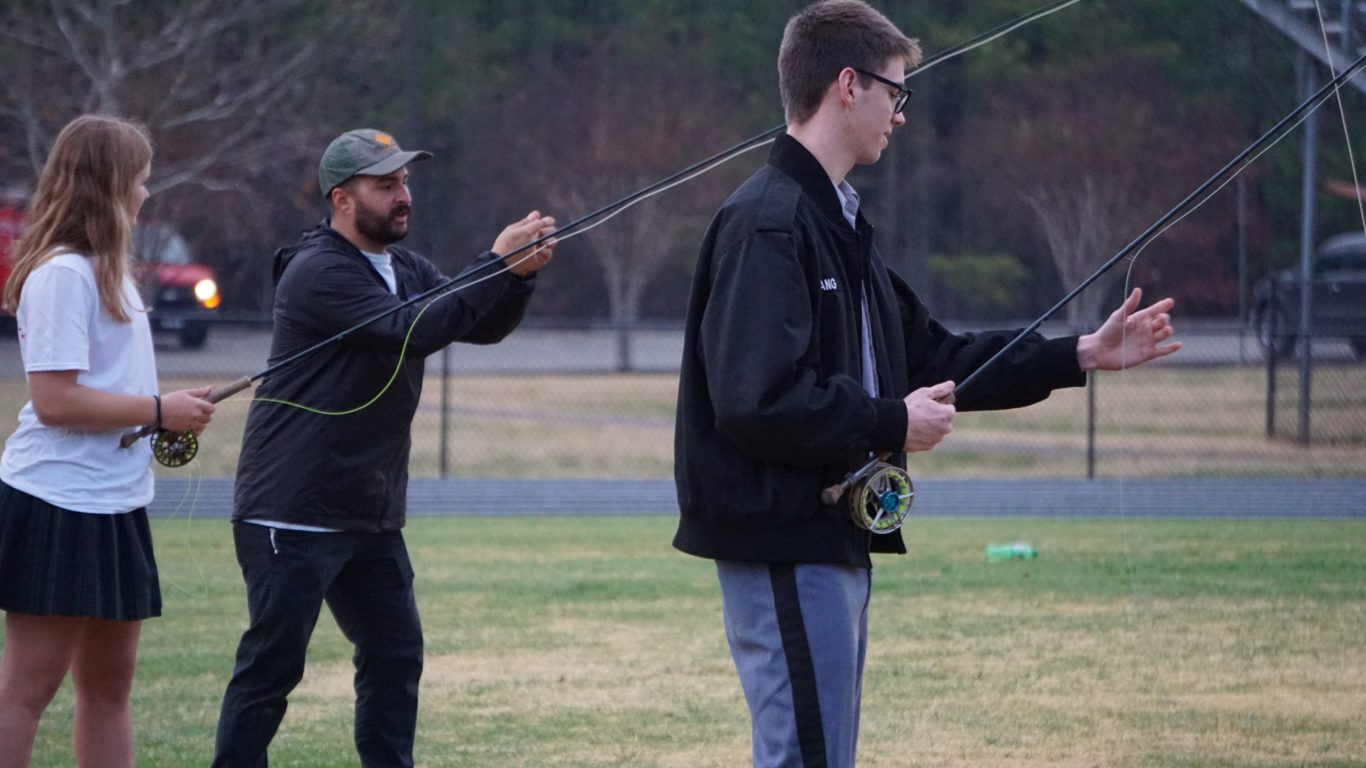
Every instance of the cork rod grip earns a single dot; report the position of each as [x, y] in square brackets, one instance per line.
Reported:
[833, 494]
[214, 396]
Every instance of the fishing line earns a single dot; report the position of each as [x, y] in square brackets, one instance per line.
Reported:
[1346, 133]
[506, 268]
[992, 34]
[1133, 258]
[1337, 95]
[455, 283]
[1336, 85]
[1182, 209]
[1235, 166]
[190, 495]
[668, 182]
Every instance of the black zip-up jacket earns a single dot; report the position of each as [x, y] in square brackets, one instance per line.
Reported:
[771, 405]
[350, 472]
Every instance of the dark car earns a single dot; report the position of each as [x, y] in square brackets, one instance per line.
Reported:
[1339, 299]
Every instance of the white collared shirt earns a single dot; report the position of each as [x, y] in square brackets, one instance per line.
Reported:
[849, 201]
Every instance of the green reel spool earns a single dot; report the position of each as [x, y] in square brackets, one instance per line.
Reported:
[881, 502]
[174, 449]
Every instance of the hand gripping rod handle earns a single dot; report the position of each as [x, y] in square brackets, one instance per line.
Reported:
[215, 395]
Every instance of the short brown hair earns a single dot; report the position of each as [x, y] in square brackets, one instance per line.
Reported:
[825, 38]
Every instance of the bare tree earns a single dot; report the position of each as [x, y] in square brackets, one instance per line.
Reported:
[206, 77]
[616, 136]
[230, 92]
[1095, 156]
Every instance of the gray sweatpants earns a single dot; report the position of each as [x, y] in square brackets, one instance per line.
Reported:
[799, 635]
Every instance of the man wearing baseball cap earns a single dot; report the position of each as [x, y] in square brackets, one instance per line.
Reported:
[323, 473]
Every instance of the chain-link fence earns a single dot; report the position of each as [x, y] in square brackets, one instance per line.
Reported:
[558, 402]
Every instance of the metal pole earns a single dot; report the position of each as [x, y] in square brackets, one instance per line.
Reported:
[420, 230]
[1306, 321]
[1242, 269]
[445, 410]
[624, 342]
[1091, 425]
[1273, 330]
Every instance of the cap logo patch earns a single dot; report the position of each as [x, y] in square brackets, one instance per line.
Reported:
[384, 139]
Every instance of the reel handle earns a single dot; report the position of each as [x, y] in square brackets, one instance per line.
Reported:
[214, 396]
[132, 437]
[834, 493]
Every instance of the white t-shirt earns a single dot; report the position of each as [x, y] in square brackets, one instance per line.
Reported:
[62, 327]
[384, 265]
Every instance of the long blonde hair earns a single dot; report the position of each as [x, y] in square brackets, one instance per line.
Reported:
[82, 202]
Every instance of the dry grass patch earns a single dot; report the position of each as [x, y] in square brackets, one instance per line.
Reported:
[1152, 422]
[1127, 644]
[610, 690]
[587, 642]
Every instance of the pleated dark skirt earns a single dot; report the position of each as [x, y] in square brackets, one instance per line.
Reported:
[55, 562]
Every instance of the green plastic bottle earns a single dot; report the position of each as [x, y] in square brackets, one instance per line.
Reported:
[1018, 550]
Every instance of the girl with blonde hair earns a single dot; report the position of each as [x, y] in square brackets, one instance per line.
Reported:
[77, 574]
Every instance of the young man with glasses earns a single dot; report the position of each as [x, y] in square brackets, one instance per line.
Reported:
[803, 356]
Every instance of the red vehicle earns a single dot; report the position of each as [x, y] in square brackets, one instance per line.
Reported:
[181, 295]
[11, 223]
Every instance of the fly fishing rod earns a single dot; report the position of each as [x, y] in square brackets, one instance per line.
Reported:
[882, 493]
[176, 449]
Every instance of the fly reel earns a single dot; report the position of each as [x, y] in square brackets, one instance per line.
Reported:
[174, 449]
[880, 501]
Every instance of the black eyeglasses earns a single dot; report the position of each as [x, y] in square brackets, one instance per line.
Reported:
[903, 94]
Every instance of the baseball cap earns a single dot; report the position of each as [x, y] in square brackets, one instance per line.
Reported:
[362, 152]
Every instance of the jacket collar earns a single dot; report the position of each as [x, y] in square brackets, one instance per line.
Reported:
[324, 237]
[795, 160]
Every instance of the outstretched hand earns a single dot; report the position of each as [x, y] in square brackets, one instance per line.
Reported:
[529, 229]
[1129, 337]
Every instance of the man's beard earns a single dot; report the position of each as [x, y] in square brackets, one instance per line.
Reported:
[381, 228]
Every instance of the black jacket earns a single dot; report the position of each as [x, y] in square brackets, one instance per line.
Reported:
[771, 405]
[350, 471]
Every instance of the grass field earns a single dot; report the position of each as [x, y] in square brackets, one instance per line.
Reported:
[1155, 421]
[589, 642]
